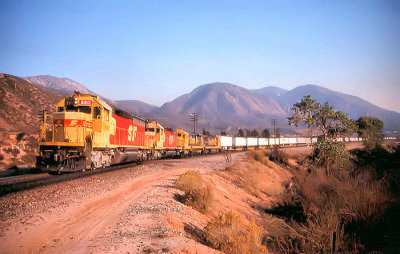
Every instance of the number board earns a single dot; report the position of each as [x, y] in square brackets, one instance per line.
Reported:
[85, 102]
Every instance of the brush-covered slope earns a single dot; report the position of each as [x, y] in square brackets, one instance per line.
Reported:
[62, 86]
[21, 104]
[219, 103]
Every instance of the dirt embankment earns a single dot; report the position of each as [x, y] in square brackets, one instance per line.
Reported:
[17, 150]
[133, 210]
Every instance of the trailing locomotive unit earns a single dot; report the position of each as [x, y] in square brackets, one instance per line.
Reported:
[87, 133]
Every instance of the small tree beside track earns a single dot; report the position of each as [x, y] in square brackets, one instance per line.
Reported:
[328, 152]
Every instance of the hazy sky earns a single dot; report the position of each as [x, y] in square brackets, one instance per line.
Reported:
[156, 50]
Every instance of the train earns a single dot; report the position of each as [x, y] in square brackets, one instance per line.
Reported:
[86, 133]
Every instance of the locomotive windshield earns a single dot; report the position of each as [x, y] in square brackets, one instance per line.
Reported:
[72, 108]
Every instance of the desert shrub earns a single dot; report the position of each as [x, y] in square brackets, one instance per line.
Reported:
[329, 203]
[230, 234]
[29, 159]
[330, 155]
[385, 164]
[390, 146]
[260, 156]
[185, 181]
[198, 193]
[227, 156]
[278, 155]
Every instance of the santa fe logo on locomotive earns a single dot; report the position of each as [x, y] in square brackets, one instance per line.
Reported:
[132, 133]
[73, 123]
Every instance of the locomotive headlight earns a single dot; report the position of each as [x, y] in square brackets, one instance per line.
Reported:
[76, 101]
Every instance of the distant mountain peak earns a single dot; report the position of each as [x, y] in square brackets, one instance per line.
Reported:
[271, 91]
[63, 86]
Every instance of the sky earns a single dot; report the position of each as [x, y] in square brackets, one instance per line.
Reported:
[154, 51]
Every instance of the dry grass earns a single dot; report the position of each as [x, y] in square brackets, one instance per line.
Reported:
[278, 155]
[198, 193]
[228, 233]
[327, 203]
[390, 146]
[261, 156]
[258, 175]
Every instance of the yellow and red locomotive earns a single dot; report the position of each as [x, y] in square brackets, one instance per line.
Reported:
[87, 133]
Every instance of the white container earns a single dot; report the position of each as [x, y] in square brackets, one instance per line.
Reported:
[292, 141]
[251, 141]
[262, 141]
[302, 140]
[240, 141]
[273, 141]
[283, 141]
[226, 141]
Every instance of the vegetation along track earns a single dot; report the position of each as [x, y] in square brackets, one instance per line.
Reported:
[20, 183]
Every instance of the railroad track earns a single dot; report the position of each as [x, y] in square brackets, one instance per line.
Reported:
[23, 182]
[18, 183]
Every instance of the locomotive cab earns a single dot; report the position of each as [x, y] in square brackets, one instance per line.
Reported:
[80, 123]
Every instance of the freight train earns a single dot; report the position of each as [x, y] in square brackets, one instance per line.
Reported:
[85, 132]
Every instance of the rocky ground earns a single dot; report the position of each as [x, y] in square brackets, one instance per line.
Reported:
[126, 211]
[135, 210]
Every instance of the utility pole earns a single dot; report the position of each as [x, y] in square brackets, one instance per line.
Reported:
[273, 122]
[194, 117]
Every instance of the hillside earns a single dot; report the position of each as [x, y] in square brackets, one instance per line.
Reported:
[223, 105]
[353, 105]
[21, 103]
[134, 106]
[62, 86]
[272, 91]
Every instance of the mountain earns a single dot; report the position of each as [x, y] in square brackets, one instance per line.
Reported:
[353, 105]
[134, 106]
[65, 87]
[62, 86]
[21, 104]
[271, 91]
[222, 106]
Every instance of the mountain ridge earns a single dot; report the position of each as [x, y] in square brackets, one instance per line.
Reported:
[62, 86]
[222, 105]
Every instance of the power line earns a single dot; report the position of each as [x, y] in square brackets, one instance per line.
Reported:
[274, 122]
[194, 117]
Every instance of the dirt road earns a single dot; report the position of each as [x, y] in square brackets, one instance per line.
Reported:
[116, 212]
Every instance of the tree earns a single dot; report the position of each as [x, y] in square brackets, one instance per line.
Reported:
[205, 132]
[370, 129]
[327, 151]
[255, 133]
[330, 122]
[240, 133]
[223, 133]
[265, 133]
